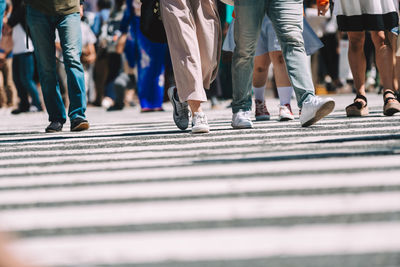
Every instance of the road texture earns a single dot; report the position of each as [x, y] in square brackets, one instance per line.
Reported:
[136, 191]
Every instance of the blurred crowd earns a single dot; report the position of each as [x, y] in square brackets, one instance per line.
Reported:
[122, 67]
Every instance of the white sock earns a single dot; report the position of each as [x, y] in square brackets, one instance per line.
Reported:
[285, 93]
[259, 92]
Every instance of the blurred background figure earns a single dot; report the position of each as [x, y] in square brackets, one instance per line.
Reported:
[7, 87]
[23, 65]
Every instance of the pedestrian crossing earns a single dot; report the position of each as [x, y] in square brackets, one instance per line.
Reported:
[135, 191]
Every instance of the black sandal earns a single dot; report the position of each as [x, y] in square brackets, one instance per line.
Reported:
[358, 109]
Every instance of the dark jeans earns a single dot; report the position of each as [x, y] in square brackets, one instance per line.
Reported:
[23, 68]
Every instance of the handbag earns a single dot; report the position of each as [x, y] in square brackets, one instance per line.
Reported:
[151, 23]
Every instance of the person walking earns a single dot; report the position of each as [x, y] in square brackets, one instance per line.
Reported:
[43, 18]
[194, 36]
[379, 17]
[287, 19]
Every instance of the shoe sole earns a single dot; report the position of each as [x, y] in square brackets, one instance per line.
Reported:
[285, 119]
[263, 118]
[323, 111]
[52, 131]
[173, 102]
[355, 112]
[81, 127]
[242, 127]
[391, 111]
[200, 131]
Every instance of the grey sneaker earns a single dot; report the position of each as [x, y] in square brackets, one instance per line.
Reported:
[199, 123]
[314, 109]
[181, 111]
[241, 120]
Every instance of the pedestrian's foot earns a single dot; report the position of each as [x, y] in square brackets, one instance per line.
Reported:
[358, 108]
[199, 123]
[115, 108]
[285, 113]
[314, 109]
[54, 126]
[181, 110]
[79, 124]
[241, 120]
[391, 104]
[19, 111]
[262, 113]
[144, 110]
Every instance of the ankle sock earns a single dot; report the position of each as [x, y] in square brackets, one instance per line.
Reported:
[285, 94]
[259, 92]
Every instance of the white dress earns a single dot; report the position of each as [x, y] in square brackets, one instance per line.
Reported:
[366, 15]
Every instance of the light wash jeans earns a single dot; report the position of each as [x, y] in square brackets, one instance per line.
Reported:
[2, 9]
[287, 19]
[42, 28]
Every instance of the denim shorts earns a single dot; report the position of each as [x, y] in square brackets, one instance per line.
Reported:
[268, 41]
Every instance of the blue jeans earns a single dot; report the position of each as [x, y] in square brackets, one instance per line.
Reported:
[42, 28]
[23, 67]
[287, 19]
[2, 9]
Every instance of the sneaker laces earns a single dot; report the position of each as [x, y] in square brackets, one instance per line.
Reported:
[199, 118]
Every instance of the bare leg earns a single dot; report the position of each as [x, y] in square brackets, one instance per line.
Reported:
[384, 58]
[357, 60]
[195, 106]
[280, 72]
[261, 66]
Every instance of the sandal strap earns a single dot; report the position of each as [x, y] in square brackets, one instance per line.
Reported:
[387, 99]
[389, 92]
[362, 98]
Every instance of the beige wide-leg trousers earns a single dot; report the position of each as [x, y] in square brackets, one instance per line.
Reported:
[194, 37]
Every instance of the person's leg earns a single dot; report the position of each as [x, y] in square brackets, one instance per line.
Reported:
[9, 83]
[71, 42]
[284, 87]
[42, 32]
[357, 60]
[26, 71]
[287, 19]
[183, 44]
[358, 67]
[21, 90]
[186, 60]
[282, 81]
[260, 75]
[249, 16]
[384, 61]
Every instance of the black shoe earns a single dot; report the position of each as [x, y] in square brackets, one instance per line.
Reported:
[54, 126]
[115, 108]
[19, 111]
[79, 124]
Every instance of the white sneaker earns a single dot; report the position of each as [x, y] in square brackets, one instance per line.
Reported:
[181, 110]
[241, 120]
[199, 123]
[285, 113]
[314, 109]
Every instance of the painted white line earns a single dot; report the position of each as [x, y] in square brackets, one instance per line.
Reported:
[212, 244]
[190, 188]
[198, 210]
[111, 172]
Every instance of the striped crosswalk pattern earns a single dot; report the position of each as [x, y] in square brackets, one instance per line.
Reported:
[135, 191]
